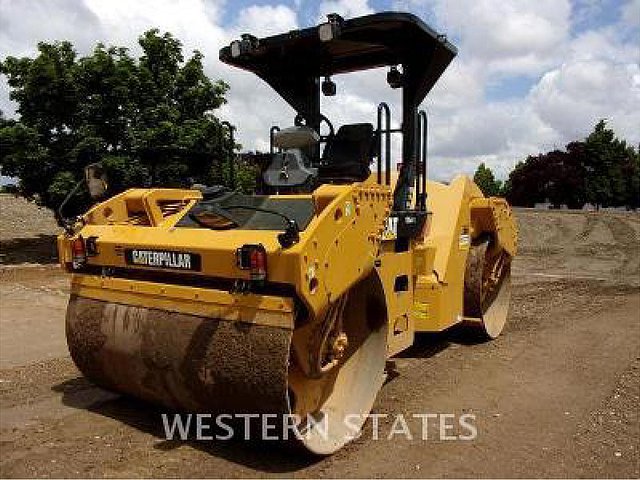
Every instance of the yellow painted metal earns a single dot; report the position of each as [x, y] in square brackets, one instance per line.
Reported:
[329, 258]
[459, 214]
[442, 257]
[495, 215]
[344, 243]
[142, 206]
[205, 302]
[315, 338]
[399, 302]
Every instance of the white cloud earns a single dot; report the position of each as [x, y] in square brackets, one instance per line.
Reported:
[194, 22]
[631, 13]
[345, 8]
[575, 79]
[461, 85]
[575, 82]
[602, 44]
[266, 20]
[572, 98]
[23, 24]
[252, 105]
[599, 77]
[498, 134]
[513, 37]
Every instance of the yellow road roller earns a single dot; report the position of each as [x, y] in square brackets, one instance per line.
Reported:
[291, 300]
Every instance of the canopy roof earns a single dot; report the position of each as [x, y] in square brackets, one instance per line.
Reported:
[292, 62]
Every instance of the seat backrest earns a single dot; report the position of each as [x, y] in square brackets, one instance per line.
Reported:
[349, 153]
[295, 137]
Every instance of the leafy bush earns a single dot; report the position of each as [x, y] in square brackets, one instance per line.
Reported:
[149, 120]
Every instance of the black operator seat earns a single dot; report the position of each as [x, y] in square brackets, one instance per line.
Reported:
[348, 154]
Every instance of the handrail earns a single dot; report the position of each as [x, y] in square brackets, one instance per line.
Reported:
[272, 132]
[384, 108]
[423, 126]
[232, 165]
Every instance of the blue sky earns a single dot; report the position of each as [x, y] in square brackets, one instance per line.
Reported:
[530, 75]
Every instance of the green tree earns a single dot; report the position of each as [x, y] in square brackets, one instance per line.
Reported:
[525, 185]
[631, 173]
[556, 177]
[487, 182]
[612, 168]
[601, 169]
[149, 120]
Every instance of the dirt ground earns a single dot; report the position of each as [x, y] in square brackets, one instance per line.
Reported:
[557, 395]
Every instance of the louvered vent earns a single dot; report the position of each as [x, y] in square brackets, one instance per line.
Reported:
[171, 207]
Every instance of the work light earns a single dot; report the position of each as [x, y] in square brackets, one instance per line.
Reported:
[330, 30]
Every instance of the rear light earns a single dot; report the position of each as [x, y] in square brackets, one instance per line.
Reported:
[254, 259]
[78, 253]
[258, 265]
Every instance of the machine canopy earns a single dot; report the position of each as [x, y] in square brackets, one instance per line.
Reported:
[293, 62]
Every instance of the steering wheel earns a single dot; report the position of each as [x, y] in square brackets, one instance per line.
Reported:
[299, 121]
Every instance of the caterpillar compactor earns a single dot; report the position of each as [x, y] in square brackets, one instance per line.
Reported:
[291, 300]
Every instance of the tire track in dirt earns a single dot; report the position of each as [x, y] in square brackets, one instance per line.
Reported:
[581, 244]
[570, 346]
[626, 243]
[554, 358]
[589, 226]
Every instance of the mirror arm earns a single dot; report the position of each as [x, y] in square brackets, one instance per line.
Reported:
[66, 222]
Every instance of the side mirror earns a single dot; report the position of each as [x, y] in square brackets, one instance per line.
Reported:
[395, 79]
[328, 87]
[96, 180]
